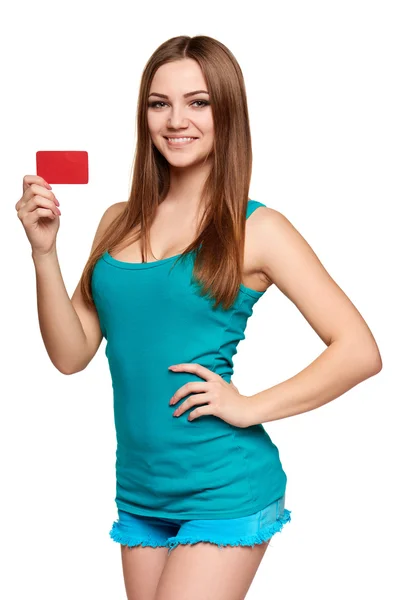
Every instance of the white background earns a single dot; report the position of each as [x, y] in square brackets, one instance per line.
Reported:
[322, 80]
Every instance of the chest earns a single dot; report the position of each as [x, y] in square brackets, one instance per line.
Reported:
[169, 236]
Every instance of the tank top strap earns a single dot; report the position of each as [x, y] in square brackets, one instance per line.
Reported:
[251, 207]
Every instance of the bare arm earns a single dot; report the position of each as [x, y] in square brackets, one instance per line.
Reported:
[70, 330]
[352, 354]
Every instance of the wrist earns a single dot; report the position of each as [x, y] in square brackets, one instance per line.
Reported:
[251, 413]
[43, 257]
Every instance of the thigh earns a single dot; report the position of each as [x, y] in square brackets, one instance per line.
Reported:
[205, 571]
[143, 551]
[218, 558]
[142, 568]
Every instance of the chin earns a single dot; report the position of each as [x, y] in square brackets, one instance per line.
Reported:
[184, 161]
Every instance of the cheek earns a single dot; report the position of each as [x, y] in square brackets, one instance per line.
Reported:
[207, 126]
[154, 123]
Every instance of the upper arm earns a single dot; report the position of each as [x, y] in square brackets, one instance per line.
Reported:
[289, 261]
[88, 315]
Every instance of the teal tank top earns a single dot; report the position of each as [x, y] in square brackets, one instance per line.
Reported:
[153, 316]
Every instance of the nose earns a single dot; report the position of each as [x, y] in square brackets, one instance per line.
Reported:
[177, 120]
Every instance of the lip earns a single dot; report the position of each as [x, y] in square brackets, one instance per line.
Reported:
[179, 136]
[179, 144]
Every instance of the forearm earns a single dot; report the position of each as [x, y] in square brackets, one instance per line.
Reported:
[335, 371]
[61, 329]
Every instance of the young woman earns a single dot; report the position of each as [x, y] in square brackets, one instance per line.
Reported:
[170, 283]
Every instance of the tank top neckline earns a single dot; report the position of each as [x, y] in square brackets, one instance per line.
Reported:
[137, 265]
[123, 264]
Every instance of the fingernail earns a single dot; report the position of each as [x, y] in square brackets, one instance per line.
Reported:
[49, 186]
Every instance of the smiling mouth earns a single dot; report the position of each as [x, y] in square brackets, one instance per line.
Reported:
[179, 142]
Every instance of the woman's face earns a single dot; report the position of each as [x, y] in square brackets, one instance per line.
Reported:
[170, 113]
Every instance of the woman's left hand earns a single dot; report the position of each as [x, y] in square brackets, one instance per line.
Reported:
[222, 399]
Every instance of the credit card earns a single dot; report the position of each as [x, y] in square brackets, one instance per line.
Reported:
[63, 166]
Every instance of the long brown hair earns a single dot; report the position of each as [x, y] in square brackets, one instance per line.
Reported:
[219, 246]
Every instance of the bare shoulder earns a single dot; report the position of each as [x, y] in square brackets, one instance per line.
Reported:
[114, 211]
[288, 260]
[275, 238]
[261, 226]
[284, 256]
[109, 215]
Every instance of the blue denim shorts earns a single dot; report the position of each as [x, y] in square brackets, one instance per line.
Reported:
[135, 530]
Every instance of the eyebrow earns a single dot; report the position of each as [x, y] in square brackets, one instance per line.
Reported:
[184, 95]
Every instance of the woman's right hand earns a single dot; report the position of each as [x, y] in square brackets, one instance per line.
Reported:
[38, 212]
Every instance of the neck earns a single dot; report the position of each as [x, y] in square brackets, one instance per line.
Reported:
[186, 185]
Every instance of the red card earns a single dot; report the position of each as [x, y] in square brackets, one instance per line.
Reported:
[62, 166]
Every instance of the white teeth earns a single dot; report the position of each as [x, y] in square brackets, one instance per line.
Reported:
[185, 139]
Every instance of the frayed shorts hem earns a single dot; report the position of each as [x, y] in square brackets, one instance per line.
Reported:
[245, 531]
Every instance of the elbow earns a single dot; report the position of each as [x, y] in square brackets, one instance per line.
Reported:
[376, 365]
[71, 370]
[66, 371]
[374, 359]
[372, 363]
[365, 355]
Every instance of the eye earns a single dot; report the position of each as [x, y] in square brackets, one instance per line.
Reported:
[157, 103]
[154, 104]
[203, 102]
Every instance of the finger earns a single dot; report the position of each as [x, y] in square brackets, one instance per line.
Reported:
[36, 189]
[197, 370]
[38, 202]
[29, 179]
[200, 411]
[39, 213]
[33, 190]
[191, 386]
[191, 401]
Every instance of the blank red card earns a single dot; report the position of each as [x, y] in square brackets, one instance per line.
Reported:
[62, 166]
